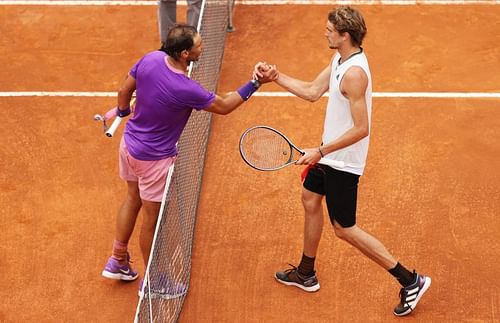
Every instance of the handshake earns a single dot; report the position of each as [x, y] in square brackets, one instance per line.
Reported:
[264, 72]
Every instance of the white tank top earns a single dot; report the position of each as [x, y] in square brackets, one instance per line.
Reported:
[338, 117]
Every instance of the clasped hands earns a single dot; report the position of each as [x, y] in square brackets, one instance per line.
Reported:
[264, 72]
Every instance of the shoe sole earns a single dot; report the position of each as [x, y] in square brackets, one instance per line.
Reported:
[427, 284]
[311, 289]
[118, 276]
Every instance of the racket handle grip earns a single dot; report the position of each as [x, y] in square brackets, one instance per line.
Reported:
[112, 129]
[331, 162]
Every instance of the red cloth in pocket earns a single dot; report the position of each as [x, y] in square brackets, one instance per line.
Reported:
[304, 173]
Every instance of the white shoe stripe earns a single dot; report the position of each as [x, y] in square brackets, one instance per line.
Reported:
[413, 291]
[410, 298]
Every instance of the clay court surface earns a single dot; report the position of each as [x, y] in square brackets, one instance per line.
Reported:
[431, 191]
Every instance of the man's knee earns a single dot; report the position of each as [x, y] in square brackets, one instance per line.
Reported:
[151, 211]
[311, 201]
[133, 194]
[346, 234]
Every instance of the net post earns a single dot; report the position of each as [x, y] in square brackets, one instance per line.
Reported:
[230, 26]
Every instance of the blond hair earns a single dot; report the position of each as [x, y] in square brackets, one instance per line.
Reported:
[348, 20]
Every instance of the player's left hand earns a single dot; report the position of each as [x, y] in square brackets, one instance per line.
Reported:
[110, 114]
[311, 156]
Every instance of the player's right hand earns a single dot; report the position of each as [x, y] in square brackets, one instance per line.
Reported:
[265, 72]
[259, 70]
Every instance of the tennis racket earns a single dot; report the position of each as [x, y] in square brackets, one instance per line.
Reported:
[110, 131]
[265, 148]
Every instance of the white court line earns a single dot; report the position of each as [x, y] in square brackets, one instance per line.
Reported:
[249, 2]
[60, 94]
[451, 95]
[366, 2]
[446, 95]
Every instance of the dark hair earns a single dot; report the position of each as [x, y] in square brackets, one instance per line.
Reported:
[347, 19]
[180, 37]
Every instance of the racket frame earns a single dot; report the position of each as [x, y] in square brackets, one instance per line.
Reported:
[323, 161]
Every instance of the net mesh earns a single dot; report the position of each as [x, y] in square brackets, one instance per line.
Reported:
[170, 263]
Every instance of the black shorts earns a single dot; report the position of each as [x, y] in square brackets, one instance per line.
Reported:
[340, 190]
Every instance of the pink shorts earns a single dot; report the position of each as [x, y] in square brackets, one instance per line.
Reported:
[151, 175]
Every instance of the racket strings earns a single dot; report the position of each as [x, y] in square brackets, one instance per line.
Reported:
[266, 149]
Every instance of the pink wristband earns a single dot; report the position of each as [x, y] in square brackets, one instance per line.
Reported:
[110, 114]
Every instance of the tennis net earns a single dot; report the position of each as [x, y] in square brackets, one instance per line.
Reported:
[168, 272]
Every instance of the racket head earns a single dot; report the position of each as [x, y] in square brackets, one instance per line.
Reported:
[266, 149]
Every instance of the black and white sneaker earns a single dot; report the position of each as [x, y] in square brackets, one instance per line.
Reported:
[410, 295]
[292, 277]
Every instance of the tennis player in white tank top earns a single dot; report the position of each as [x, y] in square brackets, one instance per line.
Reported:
[345, 137]
[339, 120]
